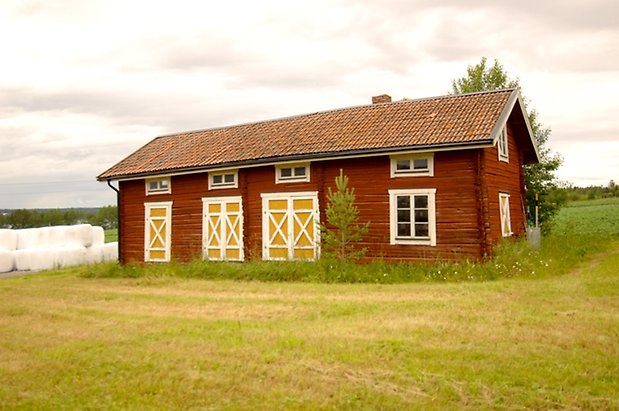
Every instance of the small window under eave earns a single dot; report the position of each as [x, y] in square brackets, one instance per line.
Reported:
[223, 179]
[292, 173]
[158, 186]
[503, 145]
[412, 165]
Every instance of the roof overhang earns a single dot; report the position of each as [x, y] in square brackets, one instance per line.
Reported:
[516, 101]
[305, 157]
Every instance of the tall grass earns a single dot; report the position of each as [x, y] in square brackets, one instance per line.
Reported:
[580, 231]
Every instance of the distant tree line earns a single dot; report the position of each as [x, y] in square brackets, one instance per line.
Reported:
[570, 193]
[105, 217]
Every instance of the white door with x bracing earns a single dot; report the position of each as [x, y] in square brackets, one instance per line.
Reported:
[157, 231]
[222, 228]
[290, 226]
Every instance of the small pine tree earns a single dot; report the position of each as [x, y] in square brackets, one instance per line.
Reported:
[342, 214]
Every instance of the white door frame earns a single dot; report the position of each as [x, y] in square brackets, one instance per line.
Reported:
[167, 224]
[288, 232]
[226, 227]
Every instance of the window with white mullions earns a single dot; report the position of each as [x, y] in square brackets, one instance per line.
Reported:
[158, 186]
[292, 173]
[412, 165]
[225, 179]
[412, 216]
[503, 145]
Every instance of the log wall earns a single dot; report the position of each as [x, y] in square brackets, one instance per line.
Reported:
[467, 184]
[502, 177]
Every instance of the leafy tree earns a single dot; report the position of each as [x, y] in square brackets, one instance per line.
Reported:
[342, 214]
[586, 193]
[106, 217]
[22, 219]
[482, 78]
[539, 178]
[52, 217]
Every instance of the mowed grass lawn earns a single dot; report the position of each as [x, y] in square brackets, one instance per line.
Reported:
[169, 343]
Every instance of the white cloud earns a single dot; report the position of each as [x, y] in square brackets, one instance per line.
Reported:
[83, 84]
[584, 162]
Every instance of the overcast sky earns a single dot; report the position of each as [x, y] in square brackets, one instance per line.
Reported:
[85, 83]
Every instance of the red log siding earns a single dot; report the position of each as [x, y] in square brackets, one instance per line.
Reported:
[262, 180]
[187, 193]
[502, 177]
[132, 199]
[456, 212]
[467, 184]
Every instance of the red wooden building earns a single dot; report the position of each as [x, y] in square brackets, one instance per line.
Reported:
[439, 177]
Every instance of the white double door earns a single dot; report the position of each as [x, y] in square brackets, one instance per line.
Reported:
[222, 236]
[290, 229]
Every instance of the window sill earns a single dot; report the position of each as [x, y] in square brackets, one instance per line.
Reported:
[223, 187]
[412, 174]
[402, 241]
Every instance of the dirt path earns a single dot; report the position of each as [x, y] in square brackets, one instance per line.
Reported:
[597, 259]
[12, 274]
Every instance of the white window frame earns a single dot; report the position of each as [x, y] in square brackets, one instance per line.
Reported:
[292, 179]
[505, 216]
[168, 235]
[393, 216]
[216, 186]
[158, 190]
[224, 222]
[411, 172]
[503, 145]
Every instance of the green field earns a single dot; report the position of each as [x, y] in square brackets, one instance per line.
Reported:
[591, 216]
[111, 235]
[168, 342]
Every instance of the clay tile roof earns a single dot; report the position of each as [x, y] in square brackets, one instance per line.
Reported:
[407, 124]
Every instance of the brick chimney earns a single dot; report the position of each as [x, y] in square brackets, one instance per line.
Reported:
[383, 98]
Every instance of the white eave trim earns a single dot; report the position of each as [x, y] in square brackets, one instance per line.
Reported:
[514, 98]
[470, 146]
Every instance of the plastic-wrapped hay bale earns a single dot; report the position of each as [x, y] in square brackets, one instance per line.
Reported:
[98, 235]
[69, 256]
[110, 252]
[40, 259]
[57, 236]
[27, 238]
[7, 261]
[22, 260]
[8, 244]
[94, 254]
[69, 236]
[43, 237]
[8, 240]
[79, 235]
[34, 259]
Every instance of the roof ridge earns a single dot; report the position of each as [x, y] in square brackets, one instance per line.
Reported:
[462, 119]
[296, 116]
